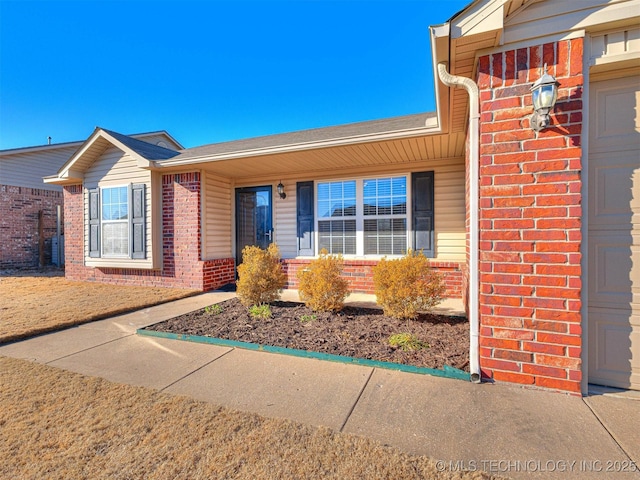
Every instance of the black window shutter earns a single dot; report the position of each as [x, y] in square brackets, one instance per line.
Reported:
[138, 239]
[305, 218]
[423, 229]
[94, 223]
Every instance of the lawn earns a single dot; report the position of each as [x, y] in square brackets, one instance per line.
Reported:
[59, 425]
[32, 303]
[56, 424]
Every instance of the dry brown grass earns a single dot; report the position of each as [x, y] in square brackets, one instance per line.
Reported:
[60, 425]
[56, 424]
[33, 303]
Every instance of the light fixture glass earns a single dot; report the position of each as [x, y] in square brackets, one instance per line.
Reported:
[544, 94]
[280, 189]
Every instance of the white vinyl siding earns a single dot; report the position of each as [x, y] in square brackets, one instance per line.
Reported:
[217, 217]
[547, 18]
[115, 168]
[284, 220]
[27, 169]
[450, 212]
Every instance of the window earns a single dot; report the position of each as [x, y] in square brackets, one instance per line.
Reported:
[385, 216]
[371, 216]
[336, 217]
[377, 208]
[117, 222]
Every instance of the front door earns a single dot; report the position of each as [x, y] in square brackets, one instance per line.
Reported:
[253, 218]
[614, 233]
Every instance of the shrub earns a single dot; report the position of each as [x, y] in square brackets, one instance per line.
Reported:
[407, 342]
[321, 287]
[260, 276]
[407, 285]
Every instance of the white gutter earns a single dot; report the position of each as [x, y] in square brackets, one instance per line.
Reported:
[474, 158]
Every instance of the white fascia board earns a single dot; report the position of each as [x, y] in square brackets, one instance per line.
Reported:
[299, 147]
[69, 163]
[71, 178]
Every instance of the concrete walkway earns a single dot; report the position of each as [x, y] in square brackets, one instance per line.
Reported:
[506, 430]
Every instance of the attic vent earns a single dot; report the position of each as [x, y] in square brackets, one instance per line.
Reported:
[162, 144]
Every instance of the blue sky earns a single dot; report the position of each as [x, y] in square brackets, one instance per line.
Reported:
[210, 71]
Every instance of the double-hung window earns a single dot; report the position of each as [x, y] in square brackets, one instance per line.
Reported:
[385, 216]
[117, 218]
[115, 222]
[337, 210]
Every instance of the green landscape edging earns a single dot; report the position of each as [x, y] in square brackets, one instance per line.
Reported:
[447, 371]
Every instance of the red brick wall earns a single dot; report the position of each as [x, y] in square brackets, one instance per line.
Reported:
[530, 219]
[359, 273]
[19, 239]
[181, 264]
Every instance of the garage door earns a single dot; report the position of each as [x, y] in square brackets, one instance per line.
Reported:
[614, 233]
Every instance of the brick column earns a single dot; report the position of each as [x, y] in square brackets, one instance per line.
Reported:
[73, 232]
[530, 218]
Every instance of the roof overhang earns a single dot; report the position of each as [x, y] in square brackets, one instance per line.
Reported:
[324, 159]
[477, 27]
[372, 145]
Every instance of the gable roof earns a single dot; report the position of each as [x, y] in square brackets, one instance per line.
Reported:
[144, 149]
[101, 139]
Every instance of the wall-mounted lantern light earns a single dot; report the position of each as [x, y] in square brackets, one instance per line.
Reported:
[544, 94]
[280, 188]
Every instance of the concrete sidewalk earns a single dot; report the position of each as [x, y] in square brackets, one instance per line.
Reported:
[506, 430]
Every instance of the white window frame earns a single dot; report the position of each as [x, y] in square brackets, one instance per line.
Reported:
[360, 217]
[127, 221]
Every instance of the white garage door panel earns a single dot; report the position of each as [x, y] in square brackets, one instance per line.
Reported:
[615, 121]
[613, 360]
[614, 233]
[614, 181]
[614, 272]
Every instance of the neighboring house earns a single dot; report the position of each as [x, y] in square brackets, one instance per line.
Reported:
[28, 206]
[538, 230]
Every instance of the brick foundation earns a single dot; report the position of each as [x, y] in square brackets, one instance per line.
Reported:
[530, 219]
[359, 273]
[181, 264]
[19, 211]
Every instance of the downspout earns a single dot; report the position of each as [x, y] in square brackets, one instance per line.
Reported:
[474, 157]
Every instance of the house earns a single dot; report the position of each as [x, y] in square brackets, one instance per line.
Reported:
[29, 208]
[537, 228]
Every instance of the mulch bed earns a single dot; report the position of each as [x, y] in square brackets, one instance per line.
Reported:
[353, 332]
